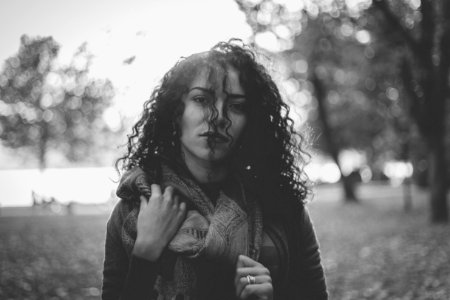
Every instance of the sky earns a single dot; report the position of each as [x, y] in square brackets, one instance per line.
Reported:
[156, 32]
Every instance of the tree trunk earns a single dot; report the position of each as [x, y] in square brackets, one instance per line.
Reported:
[432, 53]
[438, 180]
[349, 189]
[407, 195]
[347, 183]
[405, 156]
[437, 124]
[42, 151]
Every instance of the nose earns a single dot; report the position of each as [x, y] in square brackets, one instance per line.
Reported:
[221, 120]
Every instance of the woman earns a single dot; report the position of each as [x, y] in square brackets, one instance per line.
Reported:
[213, 198]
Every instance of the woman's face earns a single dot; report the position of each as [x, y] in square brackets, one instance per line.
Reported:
[212, 143]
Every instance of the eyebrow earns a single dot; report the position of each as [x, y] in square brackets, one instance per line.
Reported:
[211, 92]
[206, 90]
[235, 96]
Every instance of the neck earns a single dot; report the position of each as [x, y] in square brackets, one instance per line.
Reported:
[205, 171]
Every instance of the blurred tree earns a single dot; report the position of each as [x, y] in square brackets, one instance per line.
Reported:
[404, 67]
[44, 106]
[324, 59]
[423, 29]
[348, 116]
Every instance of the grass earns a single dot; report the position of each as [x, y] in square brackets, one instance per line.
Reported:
[371, 250]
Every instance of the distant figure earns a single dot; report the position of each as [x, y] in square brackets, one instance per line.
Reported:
[69, 208]
[212, 201]
[35, 199]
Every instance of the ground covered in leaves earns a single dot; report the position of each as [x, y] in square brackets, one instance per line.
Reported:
[371, 250]
[376, 250]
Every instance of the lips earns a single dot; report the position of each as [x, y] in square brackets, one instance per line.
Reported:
[217, 137]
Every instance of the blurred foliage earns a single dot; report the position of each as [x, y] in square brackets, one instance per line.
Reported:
[330, 40]
[48, 107]
[379, 73]
[369, 251]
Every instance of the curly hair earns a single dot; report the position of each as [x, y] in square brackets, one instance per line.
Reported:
[270, 157]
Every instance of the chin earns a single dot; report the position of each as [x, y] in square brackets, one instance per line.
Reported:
[216, 157]
[219, 155]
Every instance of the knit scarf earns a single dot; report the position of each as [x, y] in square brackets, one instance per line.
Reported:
[210, 237]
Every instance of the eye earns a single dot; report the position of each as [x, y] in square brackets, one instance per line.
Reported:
[201, 99]
[239, 107]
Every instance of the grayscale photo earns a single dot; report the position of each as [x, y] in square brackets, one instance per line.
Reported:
[225, 150]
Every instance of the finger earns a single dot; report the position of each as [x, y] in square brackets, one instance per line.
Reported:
[181, 214]
[245, 261]
[240, 262]
[254, 271]
[261, 290]
[143, 203]
[183, 207]
[259, 287]
[239, 285]
[168, 194]
[259, 279]
[176, 201]
[239, 288]
[156, 190]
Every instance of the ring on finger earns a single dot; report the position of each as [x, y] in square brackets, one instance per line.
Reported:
[251, 279]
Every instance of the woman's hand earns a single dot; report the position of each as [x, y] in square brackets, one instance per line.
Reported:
[157, 223]
[261, 288]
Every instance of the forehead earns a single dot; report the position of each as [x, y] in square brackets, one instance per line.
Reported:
[218, 80]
